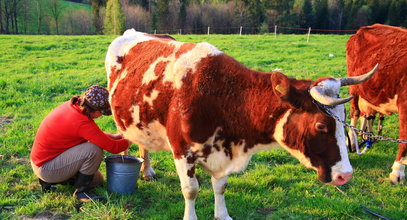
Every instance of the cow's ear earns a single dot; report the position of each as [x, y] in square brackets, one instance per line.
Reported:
[283, 89]
[281, 85]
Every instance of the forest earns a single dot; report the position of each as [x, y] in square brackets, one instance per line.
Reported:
[88, 17]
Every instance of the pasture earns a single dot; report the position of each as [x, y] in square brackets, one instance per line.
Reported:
[37, 73]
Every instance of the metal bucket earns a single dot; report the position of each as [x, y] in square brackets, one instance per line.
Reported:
[122, 172]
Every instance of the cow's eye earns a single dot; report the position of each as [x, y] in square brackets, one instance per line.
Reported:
[321, 127]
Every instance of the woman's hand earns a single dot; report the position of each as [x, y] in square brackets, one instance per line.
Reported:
[114, 136]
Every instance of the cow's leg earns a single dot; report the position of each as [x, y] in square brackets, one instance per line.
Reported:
[189, 186]
[370, 121]
[380, 124]
[363, 125]
[354, 117]
[353, 135]
[219, 187]
[399, 165]
[146, 169]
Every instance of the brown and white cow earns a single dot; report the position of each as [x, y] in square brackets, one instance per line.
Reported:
[386, 92]
[206, 108]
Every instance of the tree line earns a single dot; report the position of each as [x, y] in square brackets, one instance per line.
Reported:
[194, 16]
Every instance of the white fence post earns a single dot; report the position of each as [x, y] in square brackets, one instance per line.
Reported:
[275, 31]
[309, 32]
[240, 30]
[209, 29]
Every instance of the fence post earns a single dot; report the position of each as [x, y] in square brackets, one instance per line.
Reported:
[240, 30]
[309, 32]
[155, 31]
[209, 29]
[180, 31]
[275, 31]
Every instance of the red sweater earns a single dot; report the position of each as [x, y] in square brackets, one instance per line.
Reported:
[66, 127]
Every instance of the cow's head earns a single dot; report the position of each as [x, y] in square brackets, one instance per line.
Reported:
[308, 132]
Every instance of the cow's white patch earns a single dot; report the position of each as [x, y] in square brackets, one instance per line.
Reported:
[135, 112]
[403, 160]
[218, 163]
[121, 46]
[176, 71]
[385, 108]
[219, 186]
[150, 75]
[189, 187]
[330, 87]
[153, 137]
[279, 137]
[343, 166]
[151, 98]
[397, 174]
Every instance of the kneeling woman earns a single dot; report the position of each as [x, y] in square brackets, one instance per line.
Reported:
[69, 145]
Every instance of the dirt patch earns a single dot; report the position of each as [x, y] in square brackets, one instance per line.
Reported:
[5, 120]
[19, 160]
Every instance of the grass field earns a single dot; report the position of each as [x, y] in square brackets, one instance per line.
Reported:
[37, 73]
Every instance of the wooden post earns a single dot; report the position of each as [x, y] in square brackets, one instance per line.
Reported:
[155, 31]
[275, 31]
[240, 33]
[180, 31]
[209, 29]
[309, 32]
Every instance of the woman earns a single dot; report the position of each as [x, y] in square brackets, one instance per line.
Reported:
[69, 145]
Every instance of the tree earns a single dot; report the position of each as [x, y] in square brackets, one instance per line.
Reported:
[256, 13]
[7, 16]
[26, 16]
[394, 13]
[96, 17]
[240, 12]
[137, 17]
[303, 9]
[363, 16]
[55, 8]
[162, 14]
[39, 12]
[182, 13]
[321, 14]
[143, 3]
[336, 13]
[114, 19]
[1, 17]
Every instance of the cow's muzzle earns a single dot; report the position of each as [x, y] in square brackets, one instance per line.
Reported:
[342, 178]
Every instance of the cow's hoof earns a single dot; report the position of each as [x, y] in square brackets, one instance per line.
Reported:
[148, 173]
[149, 178]
[397, 178]
[224, 218]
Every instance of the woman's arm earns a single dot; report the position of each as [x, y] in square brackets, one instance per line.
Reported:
[91, 132]
[114, 136]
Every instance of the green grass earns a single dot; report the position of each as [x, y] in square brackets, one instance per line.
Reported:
[74, 6]
[37, 73]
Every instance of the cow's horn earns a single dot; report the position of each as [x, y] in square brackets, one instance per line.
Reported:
[358, 79]
[318, 94]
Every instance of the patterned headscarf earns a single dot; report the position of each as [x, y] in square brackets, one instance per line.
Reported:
[97, 98]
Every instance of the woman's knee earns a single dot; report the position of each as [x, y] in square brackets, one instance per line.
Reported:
[94, 151]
